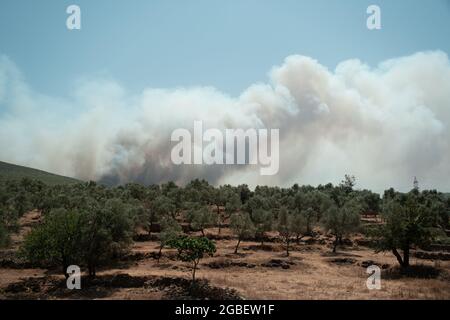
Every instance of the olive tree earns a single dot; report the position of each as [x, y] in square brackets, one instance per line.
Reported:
[202, 218]
[56, 241]
[106, 233]
[232, 205]
[407, 223]
[340, 221]
[170, 230]
[192, 250]
[262, 220]
[312, 206]
[162, 206]
[84, 237]
[299, 226]
[285, 227]
[242, 227]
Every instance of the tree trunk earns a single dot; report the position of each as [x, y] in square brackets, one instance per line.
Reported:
[160, 252]
[399, 257]
[65, 266]
[406, 257]
[237, 246]
[218, 217]
[193, 272]
[335, 244]
[203, 232]
[287, 248]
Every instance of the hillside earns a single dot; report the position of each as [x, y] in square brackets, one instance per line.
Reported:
[14, 172]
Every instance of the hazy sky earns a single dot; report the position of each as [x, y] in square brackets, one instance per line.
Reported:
[101, 103]
[226, 44]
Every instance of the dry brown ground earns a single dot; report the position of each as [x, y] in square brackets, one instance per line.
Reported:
[312, 276]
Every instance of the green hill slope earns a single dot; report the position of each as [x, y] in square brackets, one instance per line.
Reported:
[14, 172]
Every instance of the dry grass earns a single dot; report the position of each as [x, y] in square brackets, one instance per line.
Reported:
[312, 276]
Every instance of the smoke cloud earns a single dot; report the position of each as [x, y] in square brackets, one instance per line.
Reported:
[384, 125]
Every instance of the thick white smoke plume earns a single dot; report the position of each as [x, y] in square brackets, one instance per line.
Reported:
[384, 125]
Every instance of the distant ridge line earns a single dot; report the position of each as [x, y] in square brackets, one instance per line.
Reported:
[9, 171]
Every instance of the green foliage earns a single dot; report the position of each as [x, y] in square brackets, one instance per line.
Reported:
[85, 237]
[410, 220]
[370, 201]
[16, 198]
[286, 227]
[242, 227]
[106, 233]
[192, 250]
[299, 225]
[340, 221]
[107, 217]
[4, 236]
[232, 205]
[311, 205]
[227, 197]
[245, 193]
[202, 218]
[138, 215]
[262, 220]
[256, 202]
[164, 205]
[57, 241]
[348, 183]
[170, 230]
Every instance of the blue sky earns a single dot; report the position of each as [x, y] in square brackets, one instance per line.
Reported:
[225, 44]
[103, 101]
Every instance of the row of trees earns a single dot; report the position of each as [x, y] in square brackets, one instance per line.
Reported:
[89, 224]
[338, 213]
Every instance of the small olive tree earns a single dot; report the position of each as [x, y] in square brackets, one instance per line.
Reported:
[192, 250]
[285, 227]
